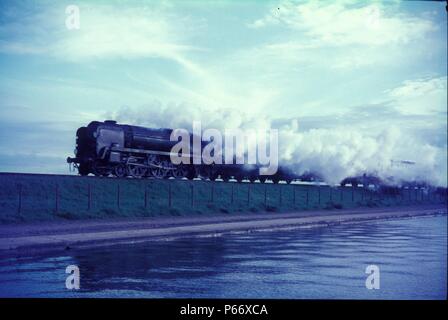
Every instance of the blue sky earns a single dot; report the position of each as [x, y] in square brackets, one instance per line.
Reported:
[350, 84]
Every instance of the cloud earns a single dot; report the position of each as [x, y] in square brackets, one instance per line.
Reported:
[181, 115]
[341, 35]
[126, 33]
[342, 23]
[421, 96]
[105, 32]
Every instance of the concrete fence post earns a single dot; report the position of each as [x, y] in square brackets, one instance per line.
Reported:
[89, 197]
[280, 195]
[169, 195]
[19, 209]
[293, 195]
[146, 197]
[118, 196]
[265, 196]
[56, 197]
[318, 189]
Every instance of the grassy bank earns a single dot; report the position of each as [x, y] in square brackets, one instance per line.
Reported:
[49, 197]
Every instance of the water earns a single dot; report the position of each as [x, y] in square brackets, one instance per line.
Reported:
[307, 263]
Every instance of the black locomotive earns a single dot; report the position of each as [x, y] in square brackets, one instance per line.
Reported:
[111, 149]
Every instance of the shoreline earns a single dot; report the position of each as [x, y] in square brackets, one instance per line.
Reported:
[37, 238]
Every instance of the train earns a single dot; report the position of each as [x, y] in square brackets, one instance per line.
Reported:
[111, 149]
[108, 148]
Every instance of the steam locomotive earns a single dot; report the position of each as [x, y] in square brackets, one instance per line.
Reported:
[111, 149]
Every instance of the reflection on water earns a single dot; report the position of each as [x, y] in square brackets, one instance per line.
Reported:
[305, 263]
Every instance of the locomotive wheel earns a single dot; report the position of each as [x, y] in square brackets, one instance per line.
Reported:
[136, 171]
[120, 171]
[83, 170]
[213, 174]
[179, 171]
[157, 166]
[208, 172]
[262, 179]
[191, 173]
[159, 172]
[99, 170]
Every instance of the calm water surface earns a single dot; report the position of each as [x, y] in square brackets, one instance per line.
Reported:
[305, 263]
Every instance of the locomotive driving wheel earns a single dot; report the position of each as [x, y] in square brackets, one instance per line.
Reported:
[83, 169]
[158, 167]
[99, 169]
[136, 170]
[208, 172]
[120, 171]
[180, 171]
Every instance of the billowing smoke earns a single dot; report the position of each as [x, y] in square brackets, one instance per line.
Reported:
[392, 153]
[341, 152]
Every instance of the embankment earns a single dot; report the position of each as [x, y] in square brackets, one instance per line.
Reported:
[39, 197]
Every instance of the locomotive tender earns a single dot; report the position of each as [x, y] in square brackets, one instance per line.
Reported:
[107, 148]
